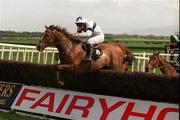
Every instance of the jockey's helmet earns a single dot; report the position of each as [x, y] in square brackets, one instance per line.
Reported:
[174, 38]
[80, 20]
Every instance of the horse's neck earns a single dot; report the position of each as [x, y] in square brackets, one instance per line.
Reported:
[165, 66]
[63, 44]
[67, 49]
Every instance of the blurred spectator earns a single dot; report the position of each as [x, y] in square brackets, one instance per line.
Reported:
[174, 49]
[174, 44]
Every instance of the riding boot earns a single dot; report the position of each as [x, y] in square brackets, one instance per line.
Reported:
[89, 52]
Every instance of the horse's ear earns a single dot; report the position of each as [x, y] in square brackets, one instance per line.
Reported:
[156, 53]
[46, 27]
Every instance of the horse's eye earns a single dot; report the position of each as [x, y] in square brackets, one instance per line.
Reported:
[154, 58]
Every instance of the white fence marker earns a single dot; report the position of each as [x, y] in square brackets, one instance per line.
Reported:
[32, 53]
[17, 54]
[2, 52]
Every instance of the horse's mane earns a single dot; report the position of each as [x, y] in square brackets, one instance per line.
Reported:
[61, 29]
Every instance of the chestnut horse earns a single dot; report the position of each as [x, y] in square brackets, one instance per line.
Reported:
[156, 61]
[71, 53]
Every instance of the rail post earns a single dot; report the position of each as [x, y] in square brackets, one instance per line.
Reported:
[143, 62]
[2, 52]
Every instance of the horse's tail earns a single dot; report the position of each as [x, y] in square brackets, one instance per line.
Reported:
[129, 57]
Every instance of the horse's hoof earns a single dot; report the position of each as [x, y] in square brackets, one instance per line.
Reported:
[59, 67]
[61, 82]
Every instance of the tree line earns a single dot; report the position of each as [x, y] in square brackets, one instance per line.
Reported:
[108, 36]
[127, 36]
[19, 34]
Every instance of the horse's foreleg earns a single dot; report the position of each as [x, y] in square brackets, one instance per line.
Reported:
[68, 67]
[61, 82]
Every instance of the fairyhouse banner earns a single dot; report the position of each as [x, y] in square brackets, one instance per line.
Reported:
[8, 93]
[85, 106]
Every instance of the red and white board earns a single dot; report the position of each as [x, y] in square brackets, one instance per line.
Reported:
[86, 106]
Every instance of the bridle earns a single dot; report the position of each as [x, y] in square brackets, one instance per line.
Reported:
[50, 38]
[154, 64]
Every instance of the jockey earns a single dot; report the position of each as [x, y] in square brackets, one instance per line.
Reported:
[89, 33]
[174, 41]
[174, 47]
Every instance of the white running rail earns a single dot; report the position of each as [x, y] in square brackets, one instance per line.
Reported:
[26, 53]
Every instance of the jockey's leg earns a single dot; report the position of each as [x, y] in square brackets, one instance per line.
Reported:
[89, 52]
[90, 42]
[96, 40]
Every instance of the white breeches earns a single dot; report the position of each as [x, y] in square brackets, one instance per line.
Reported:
[96, 39]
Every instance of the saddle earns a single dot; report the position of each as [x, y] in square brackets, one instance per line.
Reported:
[97, 52]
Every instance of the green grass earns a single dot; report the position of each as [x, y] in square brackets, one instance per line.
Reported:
[13, 116]
[139, 45]
[20, 40]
